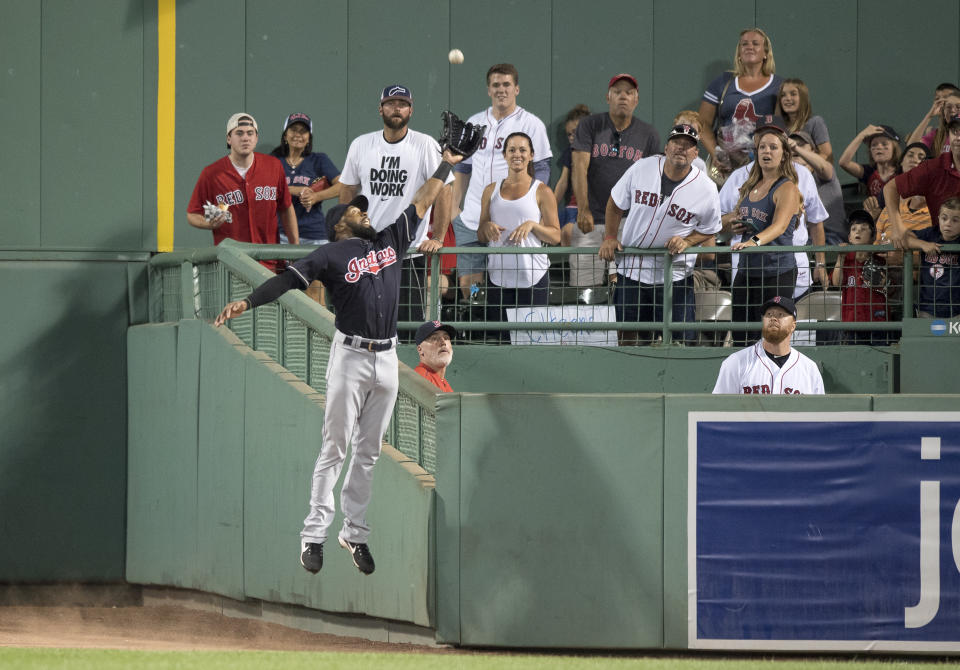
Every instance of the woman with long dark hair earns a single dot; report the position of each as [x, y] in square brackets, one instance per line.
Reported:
[769, 208]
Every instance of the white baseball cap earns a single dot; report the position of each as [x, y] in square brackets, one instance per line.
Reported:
[241, 119]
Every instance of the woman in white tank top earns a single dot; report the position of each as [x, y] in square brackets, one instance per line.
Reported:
[518, 211]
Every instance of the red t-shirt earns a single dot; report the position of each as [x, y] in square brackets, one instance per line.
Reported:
[936, 179]
[858, 301]
[254, 199]
[433, 378]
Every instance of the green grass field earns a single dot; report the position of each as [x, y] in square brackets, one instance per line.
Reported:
[99, 659]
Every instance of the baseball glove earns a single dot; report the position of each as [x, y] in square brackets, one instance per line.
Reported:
[461, 138]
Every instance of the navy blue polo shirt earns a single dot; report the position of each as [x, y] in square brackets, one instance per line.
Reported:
[363, 277]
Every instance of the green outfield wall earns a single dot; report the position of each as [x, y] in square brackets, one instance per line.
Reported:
[558, 519]
[85, 199]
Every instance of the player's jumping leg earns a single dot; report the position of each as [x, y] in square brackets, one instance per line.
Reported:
[371, 425]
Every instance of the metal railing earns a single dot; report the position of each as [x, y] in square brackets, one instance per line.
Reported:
[294, 331]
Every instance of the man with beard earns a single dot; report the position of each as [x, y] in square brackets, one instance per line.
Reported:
[361, 270]
[388, 167]
[435, 347]
[770, 366]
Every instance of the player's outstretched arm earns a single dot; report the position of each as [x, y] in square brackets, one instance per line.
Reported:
[268, 291]
[427, 193]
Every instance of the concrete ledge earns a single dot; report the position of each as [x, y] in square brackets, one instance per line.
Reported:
[294, 616]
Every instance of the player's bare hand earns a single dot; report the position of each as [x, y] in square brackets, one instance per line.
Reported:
[489, 231]
[677, 245]
[520, 233]
[451, 157]
[233, 309]
[584, 220]
[430, 246]
[609, 249]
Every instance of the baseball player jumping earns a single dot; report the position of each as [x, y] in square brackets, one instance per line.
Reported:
[362, 272]
[770, 366]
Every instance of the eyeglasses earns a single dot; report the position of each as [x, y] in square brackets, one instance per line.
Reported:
[617, 139]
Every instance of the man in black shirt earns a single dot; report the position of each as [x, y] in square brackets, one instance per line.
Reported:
[361, 270]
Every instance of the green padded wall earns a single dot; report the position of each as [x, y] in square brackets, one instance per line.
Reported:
[63, 415]
[222, 447]
[550, 522]
[554, 369]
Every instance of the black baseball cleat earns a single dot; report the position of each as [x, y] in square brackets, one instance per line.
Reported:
[311, 556]
[361, 555]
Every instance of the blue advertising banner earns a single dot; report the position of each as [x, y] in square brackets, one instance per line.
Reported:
[826, 531]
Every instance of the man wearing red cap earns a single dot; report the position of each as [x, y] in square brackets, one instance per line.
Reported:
[605, 145]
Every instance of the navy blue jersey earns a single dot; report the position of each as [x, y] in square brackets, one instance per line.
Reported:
[363, 277]
[310, 224]
[939, 277]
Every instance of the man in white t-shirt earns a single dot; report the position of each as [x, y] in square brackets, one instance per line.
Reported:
[488, 165]
[388, 167]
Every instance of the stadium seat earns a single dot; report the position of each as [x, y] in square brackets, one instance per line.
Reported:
[714, 305]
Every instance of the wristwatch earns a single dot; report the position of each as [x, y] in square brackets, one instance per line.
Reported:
[756, 240]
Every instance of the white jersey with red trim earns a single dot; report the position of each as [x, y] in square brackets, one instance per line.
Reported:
[653, 218]
[750, 370]
[488, 165]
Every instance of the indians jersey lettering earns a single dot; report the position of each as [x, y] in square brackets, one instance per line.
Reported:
[372, 263]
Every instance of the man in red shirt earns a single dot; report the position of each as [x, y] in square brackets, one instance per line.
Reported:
[249, 188]
[435, 346]
[937, 179]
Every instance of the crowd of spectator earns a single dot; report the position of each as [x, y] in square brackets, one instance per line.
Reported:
[768, 179]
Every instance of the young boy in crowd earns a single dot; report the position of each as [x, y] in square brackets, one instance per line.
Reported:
[862, 278]
[939, 274]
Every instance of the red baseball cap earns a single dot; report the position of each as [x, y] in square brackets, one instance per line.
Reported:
[623, 75]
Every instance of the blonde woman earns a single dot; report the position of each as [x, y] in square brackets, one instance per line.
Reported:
[734, 100]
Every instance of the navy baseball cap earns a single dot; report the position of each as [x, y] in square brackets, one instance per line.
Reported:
[333, 216]
[771, 122]
[298, 117]
[430, 327]
[396, 92]
[684, 130]
[786, 304]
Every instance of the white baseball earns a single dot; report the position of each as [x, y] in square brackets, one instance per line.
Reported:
[455, 56]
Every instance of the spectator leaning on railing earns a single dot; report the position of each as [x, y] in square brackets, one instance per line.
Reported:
[939, 270]
[671, 204]
[936, 180]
